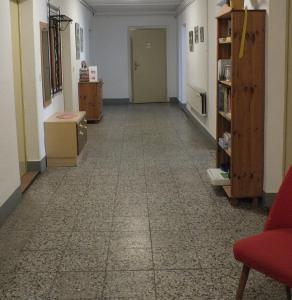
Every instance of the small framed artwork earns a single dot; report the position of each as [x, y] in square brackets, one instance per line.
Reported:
[191, 41]
[202, 34]
[197, 34]
[77, 40]
[81, 40]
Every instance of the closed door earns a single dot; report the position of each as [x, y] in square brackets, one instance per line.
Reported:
[14, 9]
[149, 65]
[288, 139]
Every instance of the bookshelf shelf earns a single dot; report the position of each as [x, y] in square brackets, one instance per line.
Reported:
[227, 189]
[226, 116]
[227, 151]
[226, 83]
[240, 102]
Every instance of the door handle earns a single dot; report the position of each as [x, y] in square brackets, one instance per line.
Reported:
[136, 66]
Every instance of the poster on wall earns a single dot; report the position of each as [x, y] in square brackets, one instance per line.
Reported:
[197, 34]
[202, 34]
[191, 41]
[77, 40]
[81, 40]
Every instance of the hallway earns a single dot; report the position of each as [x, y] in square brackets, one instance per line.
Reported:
[136, 220]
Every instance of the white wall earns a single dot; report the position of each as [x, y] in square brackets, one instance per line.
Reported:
[111, 51]
[32, 12]
[9, 169]
[81, 15]
[197, 73]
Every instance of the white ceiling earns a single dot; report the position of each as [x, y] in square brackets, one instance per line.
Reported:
[108, 7]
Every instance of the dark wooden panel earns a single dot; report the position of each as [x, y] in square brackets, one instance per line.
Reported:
[248, 92]
[90, 100]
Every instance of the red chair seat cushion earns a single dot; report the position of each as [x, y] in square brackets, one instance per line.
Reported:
[269, 253]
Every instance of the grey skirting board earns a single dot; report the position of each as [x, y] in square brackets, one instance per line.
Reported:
[38, 166]
[112, 101]
[8, 207]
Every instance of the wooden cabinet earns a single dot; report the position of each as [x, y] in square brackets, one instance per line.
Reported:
[65, 139]
[90, 100]
[242, 118]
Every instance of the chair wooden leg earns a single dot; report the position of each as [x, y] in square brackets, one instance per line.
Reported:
[288, 291]
[242, 282]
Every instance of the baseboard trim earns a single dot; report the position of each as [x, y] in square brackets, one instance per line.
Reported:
[268, 199]
[116, 101]
[11, 203]
[174, 100]
[37, 166]
[182, 106]
[211, 139]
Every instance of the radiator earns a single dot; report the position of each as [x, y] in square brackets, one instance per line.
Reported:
[197, 101]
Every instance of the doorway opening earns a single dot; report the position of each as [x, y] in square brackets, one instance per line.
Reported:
[183, 64]
[26, 177]
[148, 65]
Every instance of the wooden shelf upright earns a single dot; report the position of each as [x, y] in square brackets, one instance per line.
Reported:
[245, 157]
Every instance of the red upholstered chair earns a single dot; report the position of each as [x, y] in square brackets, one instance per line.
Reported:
[270, 252]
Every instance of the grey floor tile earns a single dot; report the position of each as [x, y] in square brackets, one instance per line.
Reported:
[130, 259]
[132, 184]
[130, 285]
[89, 240]
[169, 239]
[43, 240]
[168, 222]
[57, 222]
[130, 239]
[186, 284]
[84, 260]
[93, 222]
[77, 285]
[38, 261]
[139, 223]
[26, 286]
[13, 240]
[176, 258]
[8, 261]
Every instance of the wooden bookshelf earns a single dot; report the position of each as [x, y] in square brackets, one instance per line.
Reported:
[247, 86]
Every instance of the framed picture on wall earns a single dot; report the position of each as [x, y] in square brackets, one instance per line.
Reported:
[81, 40]
[191, 41]
[197, 34]
[202, 34]
[77, 40]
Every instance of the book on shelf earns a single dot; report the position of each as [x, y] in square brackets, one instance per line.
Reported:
[224, 100]
[225, 40]
[224, 69]
[218, 177]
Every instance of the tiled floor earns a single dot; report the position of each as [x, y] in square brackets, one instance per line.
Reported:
[136, 220]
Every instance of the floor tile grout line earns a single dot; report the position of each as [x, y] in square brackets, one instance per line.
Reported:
[150, 232]
[111, 233]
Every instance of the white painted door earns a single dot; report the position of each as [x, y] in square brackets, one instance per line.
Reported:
[149, 65]
[14, 10]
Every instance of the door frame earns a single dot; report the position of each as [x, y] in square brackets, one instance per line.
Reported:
[182, 63]
[17, 2]
[130, 67]
[288, 102]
